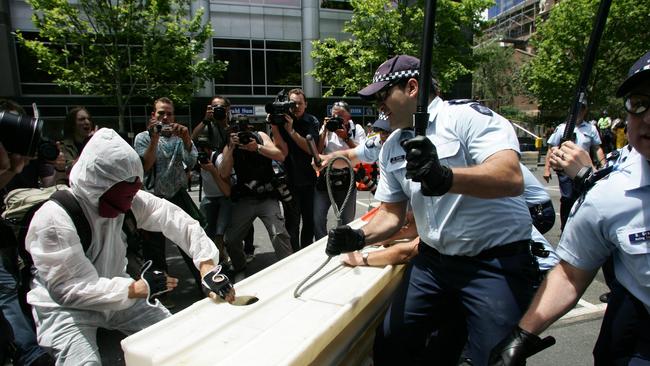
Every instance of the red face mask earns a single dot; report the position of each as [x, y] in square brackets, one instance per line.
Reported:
[118, 199]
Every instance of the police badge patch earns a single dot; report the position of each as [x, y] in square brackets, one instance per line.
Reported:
[481, 109]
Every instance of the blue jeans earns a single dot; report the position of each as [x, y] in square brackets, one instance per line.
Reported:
[217, 212]
[24, 336]
[443, 295]
[322, 205]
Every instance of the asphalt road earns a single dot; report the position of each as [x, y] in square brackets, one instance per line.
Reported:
[576, 333]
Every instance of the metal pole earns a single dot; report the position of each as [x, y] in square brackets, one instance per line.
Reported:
[421, 116]
[588, 64]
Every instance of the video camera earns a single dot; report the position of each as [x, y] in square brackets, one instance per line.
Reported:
[23, 135]
[278, 108]
[334, 123]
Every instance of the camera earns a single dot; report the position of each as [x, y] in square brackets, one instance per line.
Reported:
[334, 123]
[203, 157]
[279, 181]
[218, 112]
[241, 129]
[164, 129]
[24, 135]
[278, 108]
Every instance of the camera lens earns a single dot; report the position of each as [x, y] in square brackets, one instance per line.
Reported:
[20, 134]
[218, 112]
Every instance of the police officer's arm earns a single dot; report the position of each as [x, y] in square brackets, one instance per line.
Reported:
[386, 222]
[558, 294]
[569, 158]
[547, 166]
[498, 176]
[399, 253]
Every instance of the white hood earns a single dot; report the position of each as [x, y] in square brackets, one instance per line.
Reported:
[106, 160]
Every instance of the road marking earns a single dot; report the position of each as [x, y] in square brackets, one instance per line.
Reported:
[584, 310]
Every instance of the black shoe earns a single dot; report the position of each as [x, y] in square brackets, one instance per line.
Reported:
[604, 297]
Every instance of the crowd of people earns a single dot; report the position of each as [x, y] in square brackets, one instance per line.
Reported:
[476, 294]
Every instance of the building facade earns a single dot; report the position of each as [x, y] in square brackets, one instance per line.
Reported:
[267, 44]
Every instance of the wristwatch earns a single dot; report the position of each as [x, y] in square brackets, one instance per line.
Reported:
[364, 256]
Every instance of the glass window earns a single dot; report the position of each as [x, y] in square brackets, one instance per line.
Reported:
[260, 68]
[239, 67]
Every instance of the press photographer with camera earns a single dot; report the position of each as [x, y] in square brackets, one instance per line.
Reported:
[166, 149]
[295, 125]
[212, 128]
[249, 155]
[339, 132]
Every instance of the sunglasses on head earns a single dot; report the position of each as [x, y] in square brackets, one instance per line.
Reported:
[637, 104]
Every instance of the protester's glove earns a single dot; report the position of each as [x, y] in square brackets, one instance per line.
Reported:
[155, 280]
[517, 347]
[217, 282]
[344, 239]
[422, 165]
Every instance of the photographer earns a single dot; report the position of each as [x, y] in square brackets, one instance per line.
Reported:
[249, 154]
[291, 140]
[213, 126]
[339, 132]
[215, 204]
[166, 149]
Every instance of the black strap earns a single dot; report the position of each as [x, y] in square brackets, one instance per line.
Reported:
[66, 199]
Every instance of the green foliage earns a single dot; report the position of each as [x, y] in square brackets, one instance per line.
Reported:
[561, 42]
[123, 49]
[381, 29]
[493, 77]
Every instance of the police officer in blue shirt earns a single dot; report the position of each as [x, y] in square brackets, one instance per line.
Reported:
[611, 219]
[464, 183]
[587, 137]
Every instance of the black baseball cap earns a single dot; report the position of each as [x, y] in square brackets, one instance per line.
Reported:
[639, 71]
[396, 68]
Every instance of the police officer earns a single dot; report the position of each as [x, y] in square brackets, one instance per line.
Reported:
[249, 155]
[587, 137]
[464, 183]
[611, 219]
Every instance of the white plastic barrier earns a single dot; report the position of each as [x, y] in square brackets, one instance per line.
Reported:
[329, 323]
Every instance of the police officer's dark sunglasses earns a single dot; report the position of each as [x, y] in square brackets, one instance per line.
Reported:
[637, 104]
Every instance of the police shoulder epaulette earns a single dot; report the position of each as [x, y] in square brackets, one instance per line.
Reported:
[481, 109]
[460, 101]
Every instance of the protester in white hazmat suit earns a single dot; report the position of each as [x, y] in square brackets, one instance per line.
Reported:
[73, 293]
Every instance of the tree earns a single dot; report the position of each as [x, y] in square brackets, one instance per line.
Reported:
[381, 29]
[122, 49]
[493, 78]
[561, 42]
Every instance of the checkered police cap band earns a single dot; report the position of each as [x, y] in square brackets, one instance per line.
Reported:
[396, 75]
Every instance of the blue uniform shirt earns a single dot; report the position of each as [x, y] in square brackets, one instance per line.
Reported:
[464, 135]
[586, 135]
[368, 152]
[534, 192]
[614, 219]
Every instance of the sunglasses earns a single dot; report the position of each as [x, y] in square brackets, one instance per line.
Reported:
[382, 94]
[637, 104]
[379, 130]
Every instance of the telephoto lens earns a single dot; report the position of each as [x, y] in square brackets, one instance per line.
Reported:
[20, 134]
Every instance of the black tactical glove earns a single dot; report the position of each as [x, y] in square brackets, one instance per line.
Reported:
[517, 347]
[422, 165]
[344, 239]
[155, 280]
[217, 282]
